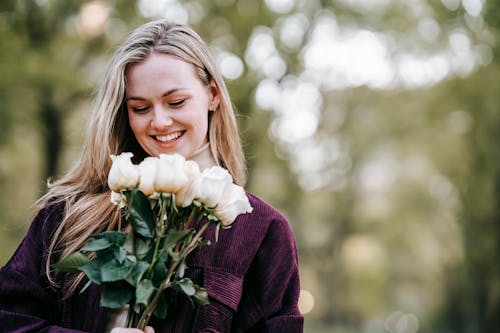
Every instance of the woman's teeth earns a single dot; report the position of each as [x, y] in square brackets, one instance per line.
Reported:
[169, 137]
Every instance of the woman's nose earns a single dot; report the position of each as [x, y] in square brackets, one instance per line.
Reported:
[161, 118]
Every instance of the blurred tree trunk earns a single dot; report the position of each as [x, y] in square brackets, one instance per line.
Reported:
[481, 195]
[472, 302]
[50, 119]
[482, 225]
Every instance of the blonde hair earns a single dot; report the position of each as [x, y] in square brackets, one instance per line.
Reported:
[84, 189]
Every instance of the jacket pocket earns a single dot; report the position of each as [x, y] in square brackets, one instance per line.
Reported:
[225, 290]
[223, 286]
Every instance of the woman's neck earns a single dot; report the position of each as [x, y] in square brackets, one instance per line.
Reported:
[203, 156]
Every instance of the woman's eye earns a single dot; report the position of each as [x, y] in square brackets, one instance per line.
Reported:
[140, 109]
[177, 102]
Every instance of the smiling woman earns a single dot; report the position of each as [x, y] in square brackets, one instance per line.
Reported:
[161, 94]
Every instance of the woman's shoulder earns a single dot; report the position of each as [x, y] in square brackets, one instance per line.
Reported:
[265, 218]
[46, 220]
[33, 248]
[264, 210]
[51, 213]
[277, 235]
[236, 247]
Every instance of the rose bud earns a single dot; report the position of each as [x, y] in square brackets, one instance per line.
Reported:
[123, 173]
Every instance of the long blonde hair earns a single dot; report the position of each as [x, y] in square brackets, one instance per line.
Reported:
[84, 189]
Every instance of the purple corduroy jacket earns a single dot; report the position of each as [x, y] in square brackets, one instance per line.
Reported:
[250, 273]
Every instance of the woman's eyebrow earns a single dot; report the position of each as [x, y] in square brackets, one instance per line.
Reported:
[133, 98]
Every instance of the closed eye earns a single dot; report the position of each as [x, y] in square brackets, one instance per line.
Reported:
[177, 102]
[140, 109]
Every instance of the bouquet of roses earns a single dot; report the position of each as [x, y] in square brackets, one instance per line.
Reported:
[167, 203]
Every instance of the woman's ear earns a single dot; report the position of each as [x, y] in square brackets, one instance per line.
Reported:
[214, 96]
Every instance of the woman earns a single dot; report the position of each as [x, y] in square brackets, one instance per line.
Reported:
[161, 93]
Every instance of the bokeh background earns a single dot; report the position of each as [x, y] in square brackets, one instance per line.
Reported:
[373, 125]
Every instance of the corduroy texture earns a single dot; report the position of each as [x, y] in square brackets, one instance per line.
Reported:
[250, 273]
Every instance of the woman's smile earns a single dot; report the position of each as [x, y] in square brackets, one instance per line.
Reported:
[169, 137]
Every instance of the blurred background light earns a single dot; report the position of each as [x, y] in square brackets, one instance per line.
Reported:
[230, 65]
[292, 30]
[362, 252]
[451, 4]
[306, 301]
[168, 9]
[429, 29]
[399, 322]
[280, 6]
[473, 7]
[93, 18]
[460, 121]
[367, 6]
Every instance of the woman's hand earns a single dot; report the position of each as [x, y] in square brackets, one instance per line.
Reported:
[148, 329]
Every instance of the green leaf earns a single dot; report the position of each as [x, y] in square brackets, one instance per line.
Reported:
[140, 214]
[72, 263]
[174, 236]
[137, 272]
[113, 270]
[120, 254]
[187, 286]
[144, 291]
[129, 242]
[96, 245]
[105, 240]
[115, 296]
[181, 270]
[174, 255]
[201, 296]
[159, 272]
[93, 271]
[142, 247]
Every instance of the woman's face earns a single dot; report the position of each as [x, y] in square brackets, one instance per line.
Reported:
[168, 105]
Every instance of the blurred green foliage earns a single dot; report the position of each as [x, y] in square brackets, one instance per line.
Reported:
[394, 193]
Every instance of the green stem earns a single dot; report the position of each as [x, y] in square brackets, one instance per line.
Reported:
[160, 229]
[166, 282]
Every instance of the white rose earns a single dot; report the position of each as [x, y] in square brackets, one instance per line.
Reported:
[185, 196]
[170, 175]
[147, 170]
[213, 183]
[118, 198]
[233, 203]
[123, 173]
